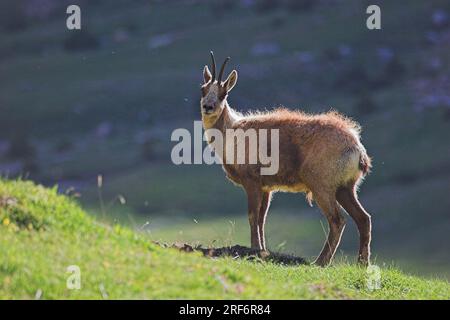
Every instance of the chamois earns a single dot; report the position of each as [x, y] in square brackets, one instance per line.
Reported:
[320, 155]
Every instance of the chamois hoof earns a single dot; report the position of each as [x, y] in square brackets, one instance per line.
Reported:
[363, 262]
[321, 263]
[264, 254]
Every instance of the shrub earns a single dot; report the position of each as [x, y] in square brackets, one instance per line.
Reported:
[365, 104]
[218, 8]
[300, 5]
[148, 147]
[266, 5]
[21, 147]
[394, 69]
[354, 79]
[63, 145]
[79, 40]
[12, 16]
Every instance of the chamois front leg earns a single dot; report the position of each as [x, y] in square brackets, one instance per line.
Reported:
[255, 197]
[265, 203]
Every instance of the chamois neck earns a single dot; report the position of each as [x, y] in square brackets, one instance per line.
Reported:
[225, 120]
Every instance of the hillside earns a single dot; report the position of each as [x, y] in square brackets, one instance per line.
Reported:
[104, 101]
[42, 233]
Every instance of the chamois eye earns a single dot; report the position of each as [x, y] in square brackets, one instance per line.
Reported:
[204, 92]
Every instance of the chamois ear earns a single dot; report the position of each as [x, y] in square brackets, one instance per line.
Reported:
[231, 80]
[206, 74]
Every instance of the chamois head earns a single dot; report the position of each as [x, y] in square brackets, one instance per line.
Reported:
[215, 91]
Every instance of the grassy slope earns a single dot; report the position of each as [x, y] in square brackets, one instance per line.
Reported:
[103, 81]
[42, 233]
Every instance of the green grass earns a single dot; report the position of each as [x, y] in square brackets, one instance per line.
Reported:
[54, 95]
[42, 233]
[170, 197]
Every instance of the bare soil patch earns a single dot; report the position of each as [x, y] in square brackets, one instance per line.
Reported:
[240, 252]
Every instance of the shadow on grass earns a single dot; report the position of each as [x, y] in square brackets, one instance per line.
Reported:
[240, 252]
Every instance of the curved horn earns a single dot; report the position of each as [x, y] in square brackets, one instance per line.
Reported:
[222, 69]
[213, 65]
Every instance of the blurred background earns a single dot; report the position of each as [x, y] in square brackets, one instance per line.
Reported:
[92, 111]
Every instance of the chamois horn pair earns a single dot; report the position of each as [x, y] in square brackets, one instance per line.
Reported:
[213, 64]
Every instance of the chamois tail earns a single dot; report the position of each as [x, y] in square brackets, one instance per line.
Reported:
[365, 163]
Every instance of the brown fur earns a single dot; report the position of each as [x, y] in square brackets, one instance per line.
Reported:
[320, 155]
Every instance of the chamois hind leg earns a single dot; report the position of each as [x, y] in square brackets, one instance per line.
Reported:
[336, 222]
[265, 203]
[348, 199]
[254, 196]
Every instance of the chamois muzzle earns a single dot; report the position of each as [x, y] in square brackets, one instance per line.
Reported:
[207, 109]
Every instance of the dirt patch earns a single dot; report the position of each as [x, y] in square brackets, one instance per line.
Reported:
[240, 252]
